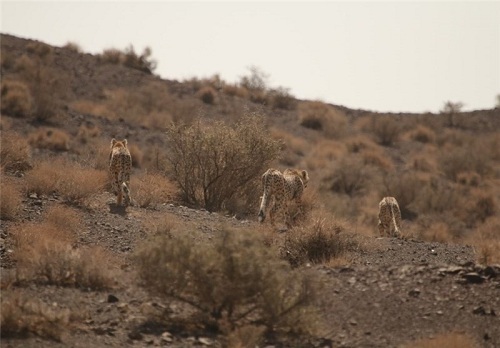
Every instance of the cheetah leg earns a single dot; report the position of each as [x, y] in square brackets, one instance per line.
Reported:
[381, 229]
[274, 209]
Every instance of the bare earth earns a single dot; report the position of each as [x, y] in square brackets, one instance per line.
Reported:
[397, 292]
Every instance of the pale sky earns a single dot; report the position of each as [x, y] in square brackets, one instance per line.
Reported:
[382, 56]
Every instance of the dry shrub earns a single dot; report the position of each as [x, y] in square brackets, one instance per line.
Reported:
[282, 99]
[350, 176]
[385, 129]
[213, 163]
[323, 153]
[469, 179]
[378, 159]
[142, 62]
[360, 143]
[436, 195]
[232, 282]
[50, 138]
[318, 242]
[22, 315]
[73, 47]
[444, 340]
[422, 134]
[72, 181]
[235, 91]
[148, 190]
[486, 242]
[464, 159]
[300, 213]
[245, 336]
[207, 95]
[137, 155]
[87, 131]
[322, 117]
[163, 225]
[45, 254]
[15, 152]
[16, 99]
[480, 206]
[293, 147]
[437, 232]
[40, 49]
[10, 200]
[423, 163]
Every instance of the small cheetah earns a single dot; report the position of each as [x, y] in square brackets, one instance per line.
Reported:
[283, 187]
[120, 166]
[389, 217]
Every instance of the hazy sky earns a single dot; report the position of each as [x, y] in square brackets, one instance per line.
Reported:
[381, 56]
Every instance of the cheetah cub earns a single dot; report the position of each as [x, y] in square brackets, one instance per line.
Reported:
[389, 217]
[120, 166]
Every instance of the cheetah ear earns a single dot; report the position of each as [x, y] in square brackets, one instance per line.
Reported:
[305, 175]
[113, 142]
[125, 142]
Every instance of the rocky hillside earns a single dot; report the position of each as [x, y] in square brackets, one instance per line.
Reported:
[78, 270]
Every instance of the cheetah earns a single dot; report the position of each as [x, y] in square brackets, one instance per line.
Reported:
[389, 217]
[284, 187]
[120, 166]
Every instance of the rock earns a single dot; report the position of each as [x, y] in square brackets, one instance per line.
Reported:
[135, 335]
[205, 341]
[112, 298]
[414, 292]
[473, 278]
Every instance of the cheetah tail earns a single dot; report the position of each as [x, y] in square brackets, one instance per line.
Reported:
[396, 229]
[263, 206]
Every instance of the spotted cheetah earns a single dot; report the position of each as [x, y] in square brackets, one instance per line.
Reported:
[284, 187]
[120, 166]
[389, 217]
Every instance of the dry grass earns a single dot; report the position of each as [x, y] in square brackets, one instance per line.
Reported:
[323, 153]
[45, 254]
[149, 190]
[422, 134]
[320, 241]
[322, 117]
[444, 340]
[72, 181]
[50, 138]
[10, 199]
[16, 99]
[87, 132]
[22, 315]
[486, 242]
[208, 95]
[384, 129]
[15, 152]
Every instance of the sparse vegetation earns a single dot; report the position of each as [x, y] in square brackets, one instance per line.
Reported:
[152, 189]
[213, 163]
[15, 152]
[10, 200]
[228, 285]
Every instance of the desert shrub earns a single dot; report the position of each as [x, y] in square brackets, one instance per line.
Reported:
[436, 195]
[480, 206]
[15, 152]
[130, 58]
[318, 242]
[294, 148]
[73, 47]
[211, 163]
[444, 340]
[385, 129]
[75, 183]
[207, 95]
[16, 99]
[437, 232]
[245, 336]
[323, 153]
[349, 175]
[87, 131]
[50, 138]
[11, 200]
[322, 117]
[486, 242]
[255, 81]
[378, 159]
[422, 163]
[235, 91]
[359, 143]
[423, 134]
[233, 282]
[469, 178]
[282, 99]
[22, 314]
[40, 49]
[149, 190]
[137, 155]
[463, 159]
[45, 253]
